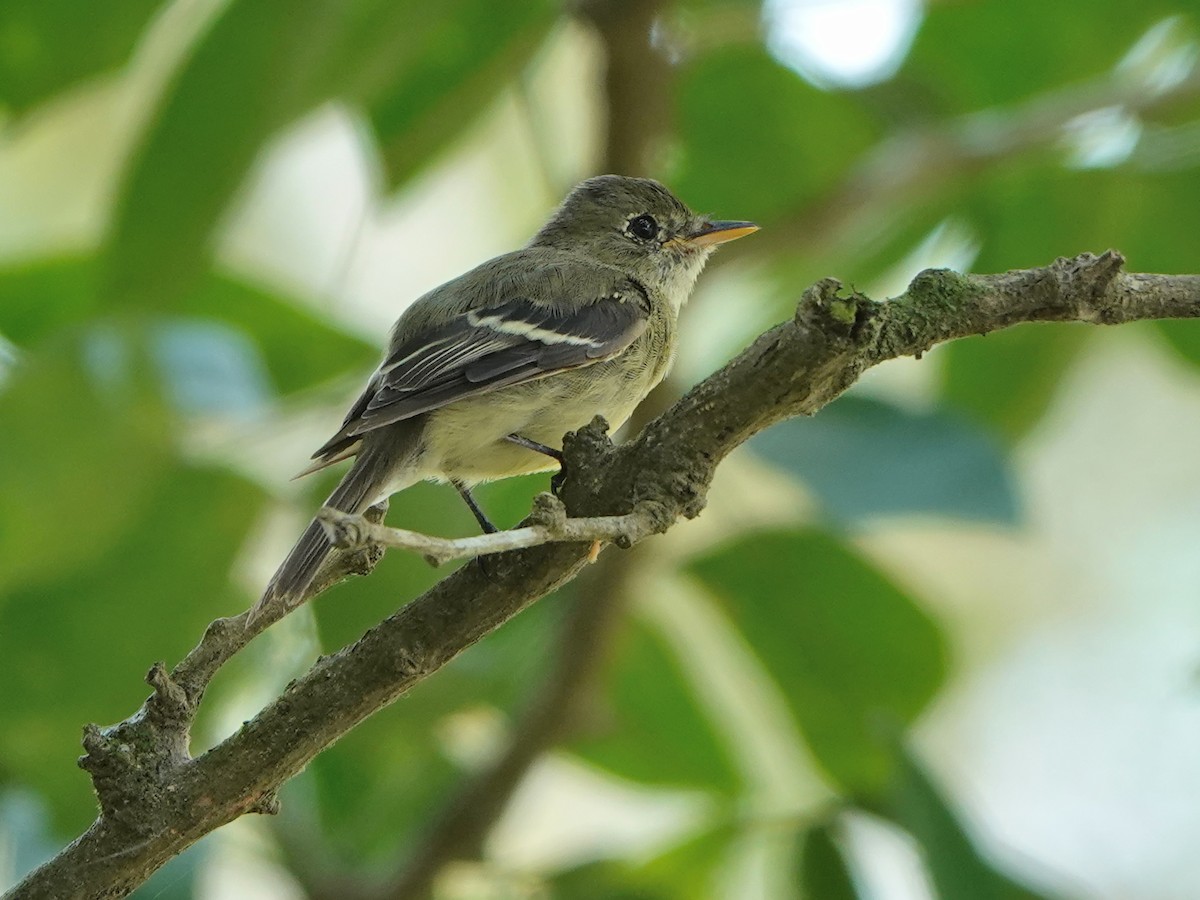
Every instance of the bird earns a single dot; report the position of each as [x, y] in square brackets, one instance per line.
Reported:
[484, 375]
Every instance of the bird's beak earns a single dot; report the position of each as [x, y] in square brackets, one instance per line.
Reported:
[712, 233]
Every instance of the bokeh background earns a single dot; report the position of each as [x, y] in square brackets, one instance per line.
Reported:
[940, 640]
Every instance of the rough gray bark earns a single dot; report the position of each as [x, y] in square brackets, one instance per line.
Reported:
[156, 800]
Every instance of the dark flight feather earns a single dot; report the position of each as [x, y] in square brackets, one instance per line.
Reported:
[486, 349]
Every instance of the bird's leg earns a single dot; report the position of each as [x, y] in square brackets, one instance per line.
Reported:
[557, 479]
[536, 447]
[480, 517]
[485, 523]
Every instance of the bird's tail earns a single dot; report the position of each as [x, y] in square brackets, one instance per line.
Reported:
[357, 491]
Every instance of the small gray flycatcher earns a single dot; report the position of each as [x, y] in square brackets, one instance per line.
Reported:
[484, 375]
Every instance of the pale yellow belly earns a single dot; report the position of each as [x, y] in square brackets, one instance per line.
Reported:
[466, 440]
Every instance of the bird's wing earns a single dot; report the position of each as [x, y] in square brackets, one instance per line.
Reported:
[484, 349]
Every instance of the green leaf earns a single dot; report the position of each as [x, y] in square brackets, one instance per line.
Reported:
[969, 56]
[49, 45]
[41, 297]
[472, 50]
[1144, 201]
[247, 76]
[851, 652]
[260, 66]
[75, 647]
[606, 880]
[651, 728]
[1183, 337]
[379, 787]
[731, 146]
[508, 501]
[300, 350]
[956, 866]
[822, 870]
[1021, 212]
[1009, 378]
[1027, 215]
[864, 458]
[81, 432]
[688, 869]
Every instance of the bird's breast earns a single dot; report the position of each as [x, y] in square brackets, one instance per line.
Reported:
[466, 439]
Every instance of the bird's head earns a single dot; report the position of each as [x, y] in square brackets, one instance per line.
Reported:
[640, 227]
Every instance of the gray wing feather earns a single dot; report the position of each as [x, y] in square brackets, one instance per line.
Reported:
[482, 350]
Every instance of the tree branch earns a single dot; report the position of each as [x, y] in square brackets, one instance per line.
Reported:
[155, 801]
[637, 78]
[548, 520]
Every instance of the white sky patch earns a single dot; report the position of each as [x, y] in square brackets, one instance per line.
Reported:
[1162, 57]
[885, 861]
[567, 813]
[1101, 139]
[916, 384]
[842, 43]
[8, 358]
[952, 244]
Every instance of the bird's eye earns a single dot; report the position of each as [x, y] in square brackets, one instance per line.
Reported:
[643, 227]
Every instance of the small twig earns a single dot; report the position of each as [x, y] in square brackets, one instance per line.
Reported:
[550, 525]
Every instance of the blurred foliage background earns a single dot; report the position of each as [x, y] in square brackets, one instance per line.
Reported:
[939, 641]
